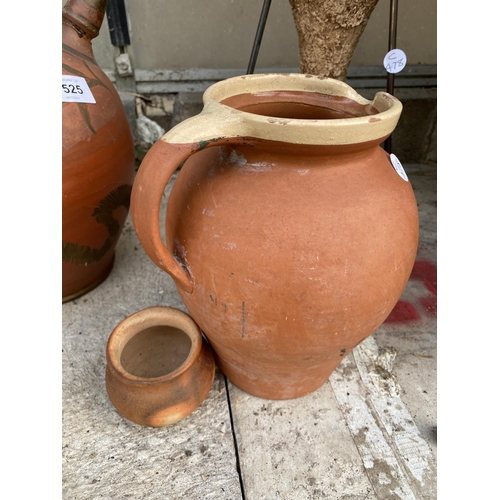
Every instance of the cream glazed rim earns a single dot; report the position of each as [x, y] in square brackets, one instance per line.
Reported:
[218, 121]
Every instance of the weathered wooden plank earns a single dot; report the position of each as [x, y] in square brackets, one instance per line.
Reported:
[297, 449]
[107, 457]
[398, 459]
[381, 463]
[376, 369]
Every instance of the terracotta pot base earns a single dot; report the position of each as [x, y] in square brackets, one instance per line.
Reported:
[95, 284]
[286, 386]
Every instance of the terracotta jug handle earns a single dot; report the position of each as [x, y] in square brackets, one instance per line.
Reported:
[162, 160]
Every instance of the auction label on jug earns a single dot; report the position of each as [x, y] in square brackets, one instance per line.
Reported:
[76, 89]
[398, 167]
[394, 61]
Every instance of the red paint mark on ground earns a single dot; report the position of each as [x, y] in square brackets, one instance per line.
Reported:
[426, 272]
[404, 311]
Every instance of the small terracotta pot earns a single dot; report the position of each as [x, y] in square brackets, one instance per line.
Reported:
[159, 368]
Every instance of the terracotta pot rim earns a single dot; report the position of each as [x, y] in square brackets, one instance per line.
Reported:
[231, 122]
[141, 320]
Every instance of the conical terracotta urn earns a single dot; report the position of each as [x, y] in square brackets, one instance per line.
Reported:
[290, 233]
[98, 160]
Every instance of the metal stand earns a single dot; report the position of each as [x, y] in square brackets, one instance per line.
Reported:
[258, 36]
[125, 81]
[392, 45]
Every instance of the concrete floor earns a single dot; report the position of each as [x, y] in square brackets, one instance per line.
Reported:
[368, 433]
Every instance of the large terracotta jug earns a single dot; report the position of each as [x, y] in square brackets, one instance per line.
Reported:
[98, 160]
[290, 234]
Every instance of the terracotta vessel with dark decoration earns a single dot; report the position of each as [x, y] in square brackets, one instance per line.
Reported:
[290, 233]
[98, 164]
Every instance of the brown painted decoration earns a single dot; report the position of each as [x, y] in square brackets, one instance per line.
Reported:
[289, 233]
[98, 165]
[159, 368]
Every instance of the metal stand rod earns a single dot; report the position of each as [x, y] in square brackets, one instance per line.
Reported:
[258, 36]
[117, 22]
[392, 41]
[393, 21]
[125, 81]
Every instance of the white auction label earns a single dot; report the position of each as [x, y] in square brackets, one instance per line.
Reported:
[394, 61]
[76, 89]
[398, 167]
